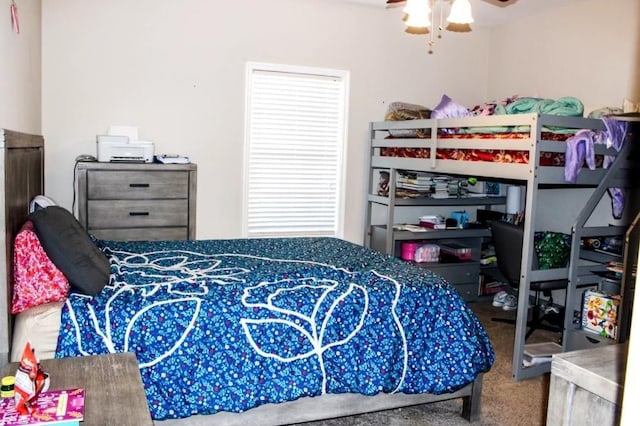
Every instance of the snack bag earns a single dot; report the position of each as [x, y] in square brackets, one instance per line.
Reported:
[30, 381]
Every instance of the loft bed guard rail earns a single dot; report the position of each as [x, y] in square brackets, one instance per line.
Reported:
[486, 133]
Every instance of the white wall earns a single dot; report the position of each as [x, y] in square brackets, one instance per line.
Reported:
[590, 51]
[20, 68]
[176, 70]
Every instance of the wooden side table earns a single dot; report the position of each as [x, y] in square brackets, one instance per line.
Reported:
[114, 394]
[586, 386]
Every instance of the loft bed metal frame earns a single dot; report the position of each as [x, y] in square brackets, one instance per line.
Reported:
[531, 175]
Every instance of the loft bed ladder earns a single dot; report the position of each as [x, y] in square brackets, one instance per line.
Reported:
[618, 175]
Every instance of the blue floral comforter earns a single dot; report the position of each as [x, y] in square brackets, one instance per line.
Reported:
[227, 325]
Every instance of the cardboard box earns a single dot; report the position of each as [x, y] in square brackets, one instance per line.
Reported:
[600, 313]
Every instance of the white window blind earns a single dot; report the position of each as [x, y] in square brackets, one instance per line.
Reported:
[295, 143]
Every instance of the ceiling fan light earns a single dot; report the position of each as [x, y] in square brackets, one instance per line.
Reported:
[418, 21]
[417, 30]
[460, 12]
[458, 28]
[417, 14]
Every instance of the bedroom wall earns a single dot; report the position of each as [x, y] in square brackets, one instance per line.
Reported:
[20, 109]
[176, 70]
[20, 82]
[590, 51]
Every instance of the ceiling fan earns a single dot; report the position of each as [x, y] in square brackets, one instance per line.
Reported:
[488, 1]
[420, 14]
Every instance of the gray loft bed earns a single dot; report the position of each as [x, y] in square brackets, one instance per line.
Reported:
[531, 175]
[22, 164]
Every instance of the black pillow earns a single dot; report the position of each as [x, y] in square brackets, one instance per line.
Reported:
[70, 248]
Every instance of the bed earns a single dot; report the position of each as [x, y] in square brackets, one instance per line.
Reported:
[538, 151]
[288, 330]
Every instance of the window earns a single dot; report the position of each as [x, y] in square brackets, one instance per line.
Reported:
[294, 145]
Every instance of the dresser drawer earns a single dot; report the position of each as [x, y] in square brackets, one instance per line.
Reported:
[135, 185]
[141, 234]
[136, 213]
[456, 273]
[468, 291]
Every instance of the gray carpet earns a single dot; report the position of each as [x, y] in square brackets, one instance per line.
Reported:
[504, 401]
[440, 413]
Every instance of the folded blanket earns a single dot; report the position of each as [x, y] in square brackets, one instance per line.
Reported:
[567, 106]
[527, 105]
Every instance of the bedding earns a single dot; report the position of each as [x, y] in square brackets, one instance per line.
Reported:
[489, 155]
[448, 108]
[39, 325]
[227, 325]
[71, 249]
[36, 278]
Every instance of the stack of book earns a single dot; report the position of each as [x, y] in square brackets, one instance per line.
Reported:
[433, 222]
[441, 187]
[413, 184]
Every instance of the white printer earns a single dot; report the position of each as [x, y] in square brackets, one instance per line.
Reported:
[119, 148]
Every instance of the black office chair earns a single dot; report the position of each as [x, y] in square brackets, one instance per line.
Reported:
[507, 240]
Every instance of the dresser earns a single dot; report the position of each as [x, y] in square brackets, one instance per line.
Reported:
[586, 386]
[134, 201]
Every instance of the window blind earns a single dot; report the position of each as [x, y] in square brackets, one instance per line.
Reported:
[295, 149]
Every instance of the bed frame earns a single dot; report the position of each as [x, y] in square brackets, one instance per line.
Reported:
[22, 178]
[22, 166]
[532, 176]
[332, 406]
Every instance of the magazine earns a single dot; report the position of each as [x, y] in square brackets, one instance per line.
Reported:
[60, 407]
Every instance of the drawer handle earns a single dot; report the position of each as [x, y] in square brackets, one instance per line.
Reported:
[138, 185]
[138, 213]
[590, 340]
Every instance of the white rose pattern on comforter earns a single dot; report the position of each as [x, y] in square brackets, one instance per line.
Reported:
[227, 325]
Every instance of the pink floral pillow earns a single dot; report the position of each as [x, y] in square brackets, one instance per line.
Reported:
[36, 278]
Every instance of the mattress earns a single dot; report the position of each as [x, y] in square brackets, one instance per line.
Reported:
[40, 325]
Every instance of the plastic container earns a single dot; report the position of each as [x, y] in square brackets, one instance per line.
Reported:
[7, 387]
[409, 250]
[609, 285]
[427, 253]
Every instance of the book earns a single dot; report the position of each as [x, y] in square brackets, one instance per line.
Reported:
[600, 313]
[409, 227]
[60, 407]
[539, 353]
[432, 225]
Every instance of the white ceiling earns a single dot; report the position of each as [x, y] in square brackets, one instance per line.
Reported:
[491, 12]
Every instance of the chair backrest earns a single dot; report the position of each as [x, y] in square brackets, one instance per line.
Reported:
[507, 240]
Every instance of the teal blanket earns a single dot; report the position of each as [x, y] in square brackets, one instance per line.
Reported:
[567, 106]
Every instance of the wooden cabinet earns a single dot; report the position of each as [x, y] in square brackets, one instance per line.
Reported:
[126, 201]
